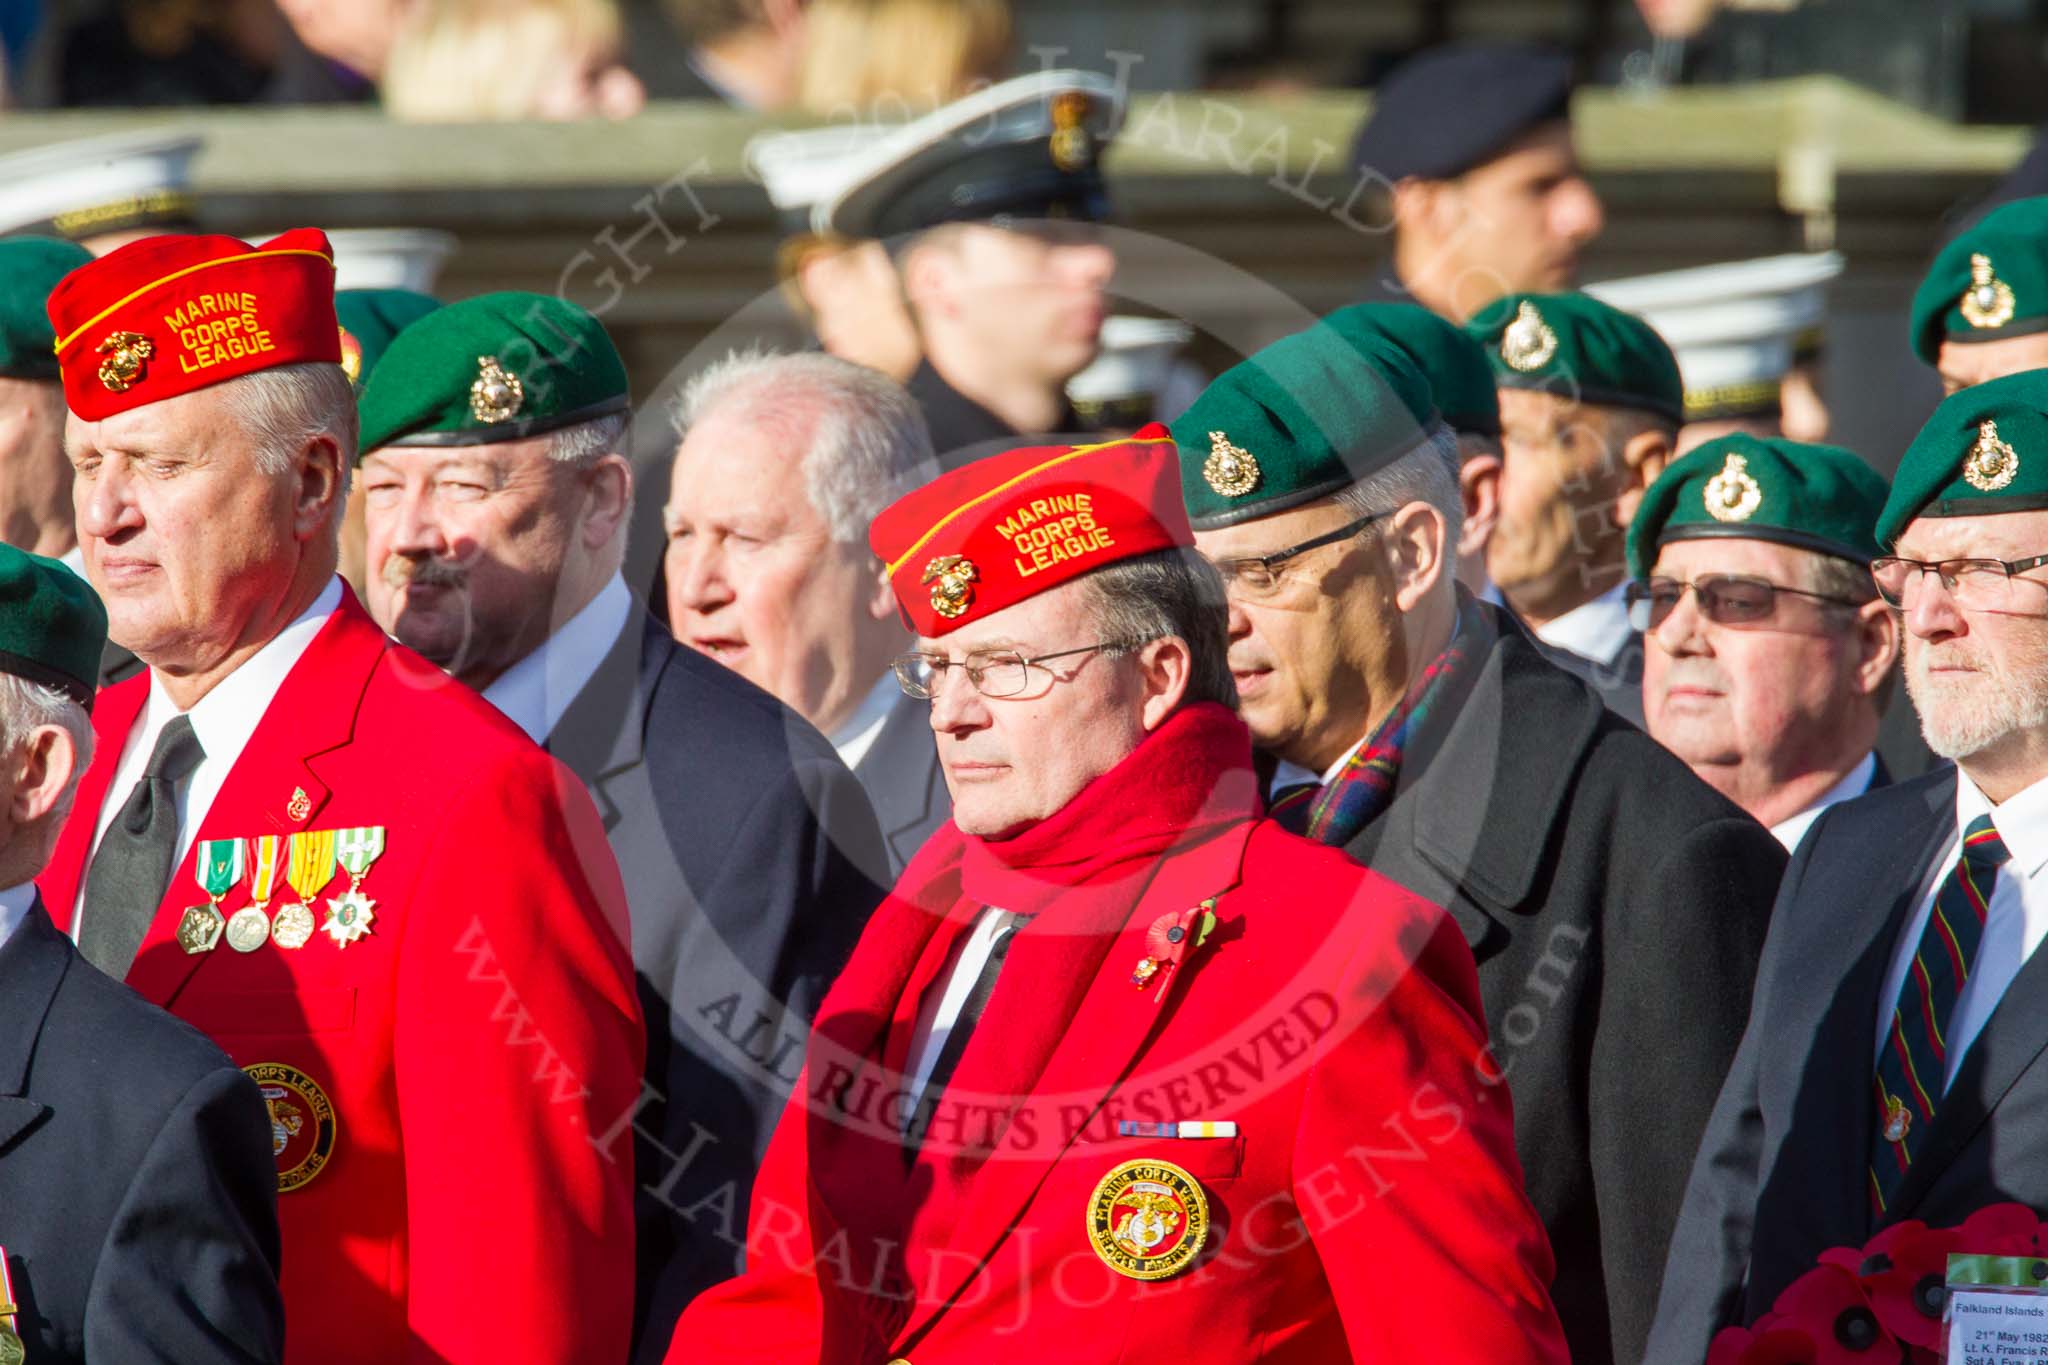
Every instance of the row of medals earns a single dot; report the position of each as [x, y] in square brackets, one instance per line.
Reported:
[202, 927]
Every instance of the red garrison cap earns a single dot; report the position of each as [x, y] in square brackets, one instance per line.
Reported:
[167, 315]
[992, 533]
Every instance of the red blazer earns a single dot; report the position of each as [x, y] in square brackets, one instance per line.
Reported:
[470, 1046]
[1369, 1208]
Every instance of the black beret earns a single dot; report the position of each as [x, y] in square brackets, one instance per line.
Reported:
[1444, 111]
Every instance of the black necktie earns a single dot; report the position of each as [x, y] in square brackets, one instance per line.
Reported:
[132, 869]
[956, 1039]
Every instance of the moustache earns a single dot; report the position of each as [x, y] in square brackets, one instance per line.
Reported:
[401, 572]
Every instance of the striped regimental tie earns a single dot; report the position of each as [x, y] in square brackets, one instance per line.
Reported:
[1912, 1069]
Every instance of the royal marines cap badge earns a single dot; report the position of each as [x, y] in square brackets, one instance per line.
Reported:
[1148, 1219]
[351, 355]
[951, 579]
[1991, 463]
[302, 1126]
[1988, 302]
[1528, 343]
[1230, 469]
[1732, 495]
[1072, 145]
[496, 396]
[126, 356]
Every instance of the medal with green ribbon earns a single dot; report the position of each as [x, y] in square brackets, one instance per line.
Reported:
[309, 867]
[350, 913]
[217, 864]
[249, 926]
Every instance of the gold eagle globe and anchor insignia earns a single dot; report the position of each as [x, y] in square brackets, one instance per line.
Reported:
[1732, 495]
[1072, 145]
[1148, 1219]
[1230, 469]
[496, 396]
[1991, 463]
[1528, 343]
[951, 579]
[127, 355]
[351, 355]
[1988, 302]
[302, 1127]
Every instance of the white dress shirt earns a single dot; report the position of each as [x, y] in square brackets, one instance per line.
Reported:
[2016, 917]
[222, 720]
[1598, 630]
[1790, 830]
[15, 903]
[1287, 774]
[857, 735]
[941, 1010]
[535, 692]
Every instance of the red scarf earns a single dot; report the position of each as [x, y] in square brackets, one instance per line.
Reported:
[1079, 874]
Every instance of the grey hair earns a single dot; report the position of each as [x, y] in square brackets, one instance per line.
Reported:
[1171, 592]
[586, 442]
[1427, 474]
[867, 442]
[27, 705]
[1833, 576]
[282, 409]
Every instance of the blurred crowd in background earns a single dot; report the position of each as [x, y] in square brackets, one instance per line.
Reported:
[564, 59]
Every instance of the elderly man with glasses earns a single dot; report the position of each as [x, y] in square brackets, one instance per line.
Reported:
[1020, 1108]
[1893, 1068]
[1768, 656]
[1615, 904]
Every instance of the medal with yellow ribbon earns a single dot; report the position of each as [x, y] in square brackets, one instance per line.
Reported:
[249, 926]
[350, 913]
[218, 865]
[11, 1350]
[309, 867]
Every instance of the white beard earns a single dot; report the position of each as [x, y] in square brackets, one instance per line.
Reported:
[1963, 716]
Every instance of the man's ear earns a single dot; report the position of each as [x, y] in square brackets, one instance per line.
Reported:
[1165, 666]
[1877, 634]
[322, 481]
[926, 266]
[1643, 457]
[608, 486]
[1415, 539]
[1432, 207]
[882, 602]
[1479, 489]
[45, 761]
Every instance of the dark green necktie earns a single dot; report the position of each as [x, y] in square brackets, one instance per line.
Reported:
[132, 869]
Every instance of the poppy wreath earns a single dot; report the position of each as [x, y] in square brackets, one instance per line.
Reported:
[1878, 1304]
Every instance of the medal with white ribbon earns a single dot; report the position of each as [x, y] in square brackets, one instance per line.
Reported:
[309, 867]
[12, 1352]
[249, 926]
[350, 913]
[217, 865]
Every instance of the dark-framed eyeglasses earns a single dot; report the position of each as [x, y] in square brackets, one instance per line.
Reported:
[1979, 584]
[1259, 575]
[1726, 599]
[993, 673]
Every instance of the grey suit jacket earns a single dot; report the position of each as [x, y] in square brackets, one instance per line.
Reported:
[904, 782]
[1782, 1174]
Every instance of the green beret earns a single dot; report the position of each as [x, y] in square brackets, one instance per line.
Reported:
[1577, 347]
[1990, 283]
[1983, 452]
[1448, 357]
[498, 367]
[29, 269]
[52, 626]
[370, 319]
[1304, 418]
[1743, 487]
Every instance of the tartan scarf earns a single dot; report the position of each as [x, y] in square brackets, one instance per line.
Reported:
[1336, 810]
